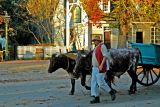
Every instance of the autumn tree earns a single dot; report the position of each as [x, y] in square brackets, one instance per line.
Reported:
[93, 10]
[35, 21]
[127, 11]
[45, 18]
[124, 12]
[1, 20]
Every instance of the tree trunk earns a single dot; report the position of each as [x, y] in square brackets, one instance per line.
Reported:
[122, 39]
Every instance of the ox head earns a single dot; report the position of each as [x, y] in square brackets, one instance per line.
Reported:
[64, 61]
[55, 62]
[83, 63]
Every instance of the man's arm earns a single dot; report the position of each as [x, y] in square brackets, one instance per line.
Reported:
[104, 53]
[102, 63]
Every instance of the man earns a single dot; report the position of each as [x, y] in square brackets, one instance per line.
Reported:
[99, 68]
[2, 41]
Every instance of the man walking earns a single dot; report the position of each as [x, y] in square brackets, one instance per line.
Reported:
[99, 68]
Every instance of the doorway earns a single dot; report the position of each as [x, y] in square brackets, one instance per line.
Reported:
[139, 37]
[107, 39]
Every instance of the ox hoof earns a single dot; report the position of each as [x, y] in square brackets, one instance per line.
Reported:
[131, 92]
[115, 91]
[88, 88]
[71, 93]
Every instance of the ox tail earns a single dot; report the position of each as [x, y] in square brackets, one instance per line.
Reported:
[112, 80]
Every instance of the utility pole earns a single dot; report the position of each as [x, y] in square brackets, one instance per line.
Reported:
[67, 24]
[6, 34]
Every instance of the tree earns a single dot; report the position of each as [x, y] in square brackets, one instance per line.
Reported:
[128, 11]
[93, 10]
[18, 17]
[32, 20]
[124, 12]
[1, 20]
[44, 15]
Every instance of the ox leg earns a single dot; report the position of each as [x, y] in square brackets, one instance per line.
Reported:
[109, 78]
[73, 87]
[83, 82]
[133, 87]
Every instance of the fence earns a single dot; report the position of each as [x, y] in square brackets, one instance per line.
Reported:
[38, 52]
[1, 56]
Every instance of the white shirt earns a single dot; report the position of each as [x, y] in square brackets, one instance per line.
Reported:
[104, 53]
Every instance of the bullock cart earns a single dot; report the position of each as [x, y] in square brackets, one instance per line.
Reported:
[148, 69]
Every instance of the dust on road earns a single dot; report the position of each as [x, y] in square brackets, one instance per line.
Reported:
[28, 84]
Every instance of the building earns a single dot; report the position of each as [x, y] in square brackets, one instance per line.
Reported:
[145, 32]
[84, 30]
[141, 32]
[108, 34]
[77, 20]
[76, 26]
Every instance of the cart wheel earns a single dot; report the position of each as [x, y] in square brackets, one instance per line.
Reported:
[147, 75]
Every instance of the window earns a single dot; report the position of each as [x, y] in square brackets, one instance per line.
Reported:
[105, 7]
[155, 35]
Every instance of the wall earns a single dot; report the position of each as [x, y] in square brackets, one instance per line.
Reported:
[101, 30]
[38, 52]
[146, 31]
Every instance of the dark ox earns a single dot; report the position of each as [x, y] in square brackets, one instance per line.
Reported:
[63, 61]
[120, 61]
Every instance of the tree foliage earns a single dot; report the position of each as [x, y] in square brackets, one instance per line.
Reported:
[43, 13]
[42, 8]
[33, 20]
[18, 17]
[128, 11]
[124, 12]
[1, 20]
[92, 9]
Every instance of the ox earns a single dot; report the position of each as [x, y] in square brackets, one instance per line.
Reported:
[67, 63]
[120, 61]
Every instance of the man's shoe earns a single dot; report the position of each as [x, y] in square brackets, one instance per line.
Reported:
[95, 100]
[113, 94]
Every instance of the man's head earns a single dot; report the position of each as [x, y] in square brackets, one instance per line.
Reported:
[97, 40]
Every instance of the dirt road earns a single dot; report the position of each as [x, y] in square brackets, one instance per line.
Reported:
[27, 84]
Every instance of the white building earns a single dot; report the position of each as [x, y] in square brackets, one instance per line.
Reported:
[88, 30]
[109, 35]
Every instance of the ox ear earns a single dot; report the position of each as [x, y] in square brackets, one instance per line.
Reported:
[57, 54]
[89, 54]
[53, 55]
